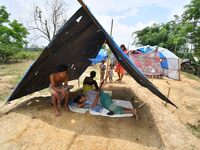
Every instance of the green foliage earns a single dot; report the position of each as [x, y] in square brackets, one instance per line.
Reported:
[192, 15]
[12, 37]
[18, 34]
[25, 54]
[177, 34]
[169, 35]
[7, 52]
[4, 15]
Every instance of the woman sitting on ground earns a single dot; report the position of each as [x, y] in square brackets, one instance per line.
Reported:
[91, 89]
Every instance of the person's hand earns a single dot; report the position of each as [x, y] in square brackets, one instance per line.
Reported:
[63, 92]
[93, 105]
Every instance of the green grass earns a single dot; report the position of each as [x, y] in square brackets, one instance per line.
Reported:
[4, 96]
[195, 129]
[191, 76]
[26, 55]
[15, 72]
[15, 69]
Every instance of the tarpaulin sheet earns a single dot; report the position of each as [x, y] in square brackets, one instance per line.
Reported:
[148, 63]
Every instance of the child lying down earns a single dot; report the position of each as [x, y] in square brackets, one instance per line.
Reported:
[105, 102]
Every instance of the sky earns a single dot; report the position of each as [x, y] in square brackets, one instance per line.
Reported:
[128, 15]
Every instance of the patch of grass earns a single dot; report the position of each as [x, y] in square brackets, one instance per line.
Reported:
[11, 74]
[15, 80]
[15, 69]
[191, 76]
[4, 96]
[26, 55]
[195, 129]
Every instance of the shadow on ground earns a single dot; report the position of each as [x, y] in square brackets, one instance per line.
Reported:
[143, 131]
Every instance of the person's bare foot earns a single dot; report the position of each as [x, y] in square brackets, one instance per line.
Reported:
[57, 113]
[118, 80]
[59, 105]
[67, 109]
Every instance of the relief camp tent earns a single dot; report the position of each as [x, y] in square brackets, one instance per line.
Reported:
[170, 63]
[152, 59]
[79, 40]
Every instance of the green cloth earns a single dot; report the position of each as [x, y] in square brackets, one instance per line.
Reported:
[107, 103]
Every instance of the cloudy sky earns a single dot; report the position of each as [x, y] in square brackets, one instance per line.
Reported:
[128, 15]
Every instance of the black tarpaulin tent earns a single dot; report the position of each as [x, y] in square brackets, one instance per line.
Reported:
[80, 39]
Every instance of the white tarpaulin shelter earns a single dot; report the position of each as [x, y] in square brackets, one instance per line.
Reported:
[170, 63]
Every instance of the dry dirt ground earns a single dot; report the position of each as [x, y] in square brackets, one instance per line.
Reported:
[29, 122]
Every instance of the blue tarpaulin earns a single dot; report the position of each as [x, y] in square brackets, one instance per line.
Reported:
[102, 55]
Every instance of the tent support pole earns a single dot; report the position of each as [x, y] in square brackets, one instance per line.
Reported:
[108, 60]
[168, 93]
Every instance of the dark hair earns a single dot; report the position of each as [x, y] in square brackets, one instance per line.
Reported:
[123, 46]
[92, 74]
[61, 68]
[77, 98]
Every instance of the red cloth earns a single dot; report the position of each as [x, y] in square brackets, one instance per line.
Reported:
[119, 68]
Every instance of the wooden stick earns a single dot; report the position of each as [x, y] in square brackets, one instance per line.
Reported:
[141, 104]
[108, 60]
[169, 89]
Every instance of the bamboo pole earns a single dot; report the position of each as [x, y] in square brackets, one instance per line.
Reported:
[108, 60]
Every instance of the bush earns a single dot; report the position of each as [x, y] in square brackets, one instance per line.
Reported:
[9, 54]
[24, 55]
[6, 53]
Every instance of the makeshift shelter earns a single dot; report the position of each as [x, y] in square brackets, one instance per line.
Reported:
[79, 40]
[152, 59]
[170, 63]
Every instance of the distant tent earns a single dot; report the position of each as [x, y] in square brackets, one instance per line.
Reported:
[168, 61]
[102, 55]
[79, 40]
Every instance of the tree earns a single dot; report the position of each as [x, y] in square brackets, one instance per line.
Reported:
[191, 16]
[49, 20]
[11, 32]
[176, 34]
[171, 35]
[12, 35]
